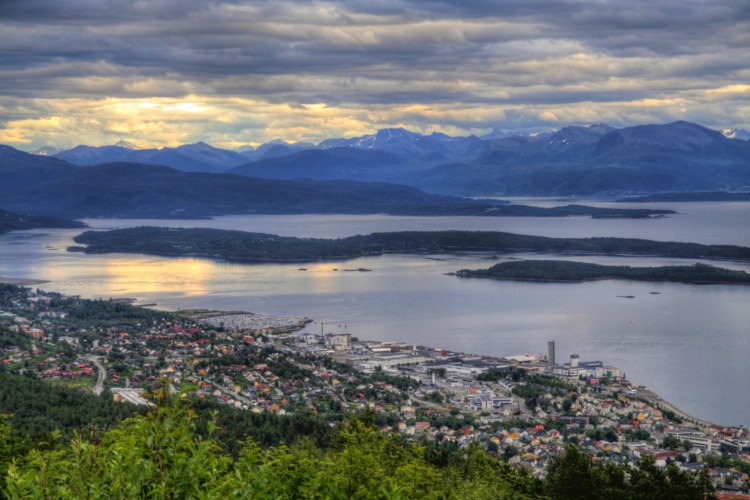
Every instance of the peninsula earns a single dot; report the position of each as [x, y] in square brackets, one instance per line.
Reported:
[260, 247]
[688, 197]
[10, 221]
[575, 272]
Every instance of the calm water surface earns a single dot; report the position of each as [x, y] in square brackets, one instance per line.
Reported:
[689, 343]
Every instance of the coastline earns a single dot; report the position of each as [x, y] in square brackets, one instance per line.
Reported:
[602, 278]
[290, 324]
[657, 401]
[22, 281]
[645, 394]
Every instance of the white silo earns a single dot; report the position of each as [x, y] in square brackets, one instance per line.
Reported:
[574, 360]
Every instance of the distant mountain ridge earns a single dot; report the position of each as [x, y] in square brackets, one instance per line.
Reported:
[49, 186]
[575, 160]
[198, 157]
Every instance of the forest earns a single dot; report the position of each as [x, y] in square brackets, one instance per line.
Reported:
[261, 247]
[161, 455]
[566, 271]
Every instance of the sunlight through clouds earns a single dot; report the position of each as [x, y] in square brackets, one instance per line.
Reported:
[168, 72]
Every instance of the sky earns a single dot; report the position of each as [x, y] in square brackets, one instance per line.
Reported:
[167, 72]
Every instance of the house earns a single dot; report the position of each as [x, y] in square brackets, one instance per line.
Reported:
[36, 333]
[661, 456]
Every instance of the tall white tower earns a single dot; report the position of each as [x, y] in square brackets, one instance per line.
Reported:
[574, 360]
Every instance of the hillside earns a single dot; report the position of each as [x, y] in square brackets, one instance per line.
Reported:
[336, 163]
[20, 170]
[688, 197]
[136, 190]
[14, 222]
[133, 190]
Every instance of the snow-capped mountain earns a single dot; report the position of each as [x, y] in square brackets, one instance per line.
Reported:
[125, 144]
[736, 133]
[47, 151]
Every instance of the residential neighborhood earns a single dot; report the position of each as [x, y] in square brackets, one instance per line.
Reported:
[525, 408]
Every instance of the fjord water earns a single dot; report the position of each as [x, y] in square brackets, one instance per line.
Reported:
[691, 344]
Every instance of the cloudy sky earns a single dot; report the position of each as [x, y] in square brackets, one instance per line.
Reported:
[169, 72]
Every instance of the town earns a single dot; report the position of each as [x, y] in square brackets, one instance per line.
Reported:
[524, 408]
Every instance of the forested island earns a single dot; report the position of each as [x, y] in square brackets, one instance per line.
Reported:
[260, 247]
[573, 272]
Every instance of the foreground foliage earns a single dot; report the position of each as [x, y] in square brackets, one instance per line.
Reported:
[161, 455]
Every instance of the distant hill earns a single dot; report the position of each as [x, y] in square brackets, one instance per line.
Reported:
[336, 163]
[688, 197]
[22, 170]
[15, 222]
[131, 190]
[137, 190]
[274, 149]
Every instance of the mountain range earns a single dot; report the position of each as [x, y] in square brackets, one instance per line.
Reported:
[575, 160]
[49, 186]
[199, 157]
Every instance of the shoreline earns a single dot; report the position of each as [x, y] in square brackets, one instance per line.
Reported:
[602, 278]
[299, 323]
[657, 401]
[22, 281]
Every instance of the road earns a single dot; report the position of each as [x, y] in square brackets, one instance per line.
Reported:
[99, 387]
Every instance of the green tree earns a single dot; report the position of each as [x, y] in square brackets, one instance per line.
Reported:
[572, 475]
[671, 442]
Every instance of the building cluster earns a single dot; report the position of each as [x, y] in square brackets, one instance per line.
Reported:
[607, 418]
[254, 323]
[526, 408]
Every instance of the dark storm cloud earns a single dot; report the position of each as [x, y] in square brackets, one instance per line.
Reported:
[510, 54]
[212, 38]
